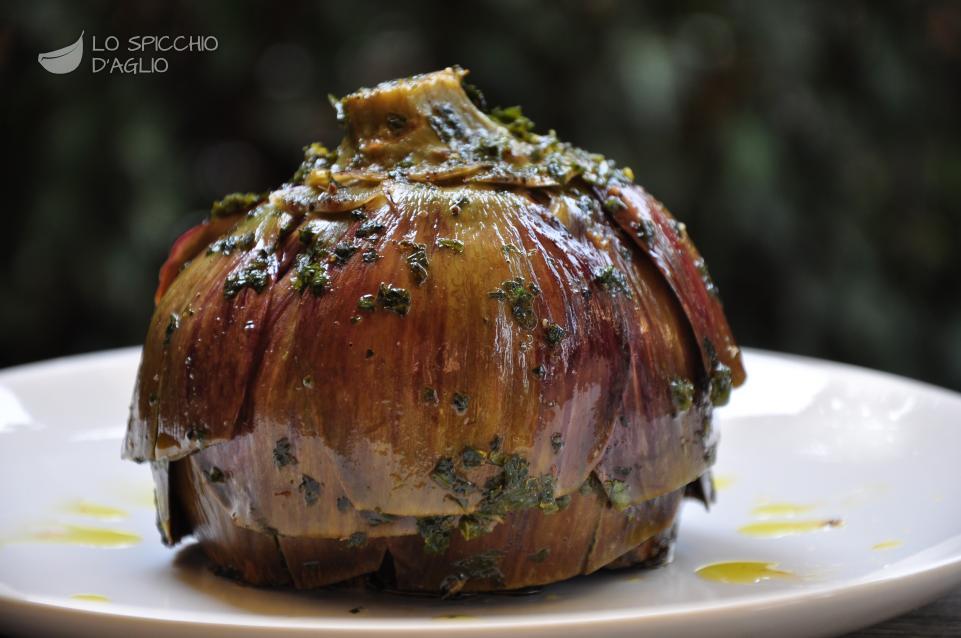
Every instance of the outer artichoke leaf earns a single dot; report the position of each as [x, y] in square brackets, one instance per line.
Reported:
[190, 244]
[204, 342]
[666, 242]
[654, 449]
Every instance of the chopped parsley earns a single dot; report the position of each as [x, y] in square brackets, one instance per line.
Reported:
[454, 245]
[215, 475]
[519, 125]
[370, 228]
[520, 297]
[310, 489]
[310, 273]
[557, 442]
[613, 280]
[460, 402]
[720, 384]
[554, 334]
[447, 477]
[357, 539]
[436, 530]
[236, 203]
[366, 302]
[253, 275]
[394, 299]
[682, 394]
[172, 325]
[617, 493]
[283, 454]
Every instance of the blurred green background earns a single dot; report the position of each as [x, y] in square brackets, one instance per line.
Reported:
[813, 148]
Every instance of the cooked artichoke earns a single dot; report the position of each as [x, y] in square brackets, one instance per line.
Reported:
[453, 354]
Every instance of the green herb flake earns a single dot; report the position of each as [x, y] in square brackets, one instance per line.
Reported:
[682, 394]
[614, 204]
[538, 371]
[472, 457]
[236, 203]
[173, 324]
[357, 539]
[460, 402]
[310, 274]
[557, 442]
[370, 256]
[377, 517]
[230, 243]
[617, 493]
[472, 527]
[344, 251]
[554, 334]
[483, 566]
[198, 435]
[315, 156]
[309, 488]
[644, 229]
[540, 555]
[417, 260]
[429, 395]
[454, 245]
[283, 454]
[613, 280]
[343, 504]
[394, 299]
[519, 125]
[215, 475]
[514, 489]
[370, 228]
[520, 297]
[436, 531]
[720, 384]
[253, 275]
[310, 231]
[366, 302]
[447, 477]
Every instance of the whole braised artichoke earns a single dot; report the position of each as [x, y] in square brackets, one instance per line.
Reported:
[452, 355]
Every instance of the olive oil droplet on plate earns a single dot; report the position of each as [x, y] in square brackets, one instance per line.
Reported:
[788, 510]
[777, 529]
[87, 536]
[724, 481]
[742, 572]
[95, 510]
[93, 598]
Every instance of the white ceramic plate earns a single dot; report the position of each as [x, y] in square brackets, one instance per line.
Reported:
[818, 440]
